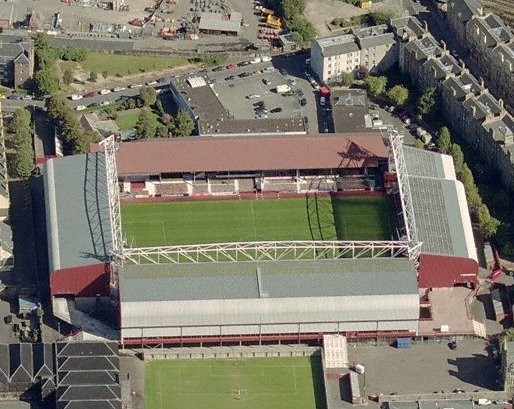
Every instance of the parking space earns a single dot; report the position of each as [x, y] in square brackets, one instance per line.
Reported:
[431, 368]
[234, 86]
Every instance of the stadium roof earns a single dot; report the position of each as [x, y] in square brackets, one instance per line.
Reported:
[223, 154]
[440, 207]
[428, 164]
[271, 279]
[77, 213]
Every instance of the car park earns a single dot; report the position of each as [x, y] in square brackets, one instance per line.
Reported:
[253, 96]
[118, 89]
[76, 97]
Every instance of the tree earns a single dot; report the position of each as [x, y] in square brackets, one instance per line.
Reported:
[166, 119]
[24, 159]
[399, 94]
[93, 76]
[376, 85]
[148, 96]
[362, 72]
[46, 81]
[472, 194]
[427, 101]
[159, 107]
[487, 224]
[183, 125]
[56, 106]
[379, 17]
[145, 127]
[444, 139]
[161, 131]
[304, 29]
[418, 143]
[458, 157]
[105, 73]
[67, 76]
[346, 78]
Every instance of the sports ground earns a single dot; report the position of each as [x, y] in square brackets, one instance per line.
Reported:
[215, 221]
[254, 383]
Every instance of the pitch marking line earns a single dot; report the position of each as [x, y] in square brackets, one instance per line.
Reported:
[253, 220]
[160, 388]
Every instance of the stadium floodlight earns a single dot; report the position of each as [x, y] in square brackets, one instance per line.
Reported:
[110, 145]
[395, 142]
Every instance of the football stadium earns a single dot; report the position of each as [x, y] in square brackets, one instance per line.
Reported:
[256, 239]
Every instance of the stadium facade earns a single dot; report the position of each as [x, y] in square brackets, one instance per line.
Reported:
[259, 291]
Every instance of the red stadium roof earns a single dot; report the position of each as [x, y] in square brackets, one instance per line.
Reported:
[445, 271]
[222, 154]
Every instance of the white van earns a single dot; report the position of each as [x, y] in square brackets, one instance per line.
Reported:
[484, 402]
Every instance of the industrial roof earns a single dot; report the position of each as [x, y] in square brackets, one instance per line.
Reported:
[220, 22]
[278, 279]
[224, 154]
[78, 224]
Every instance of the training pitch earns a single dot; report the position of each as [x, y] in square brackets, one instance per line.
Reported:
[255, 383]
[211, 221]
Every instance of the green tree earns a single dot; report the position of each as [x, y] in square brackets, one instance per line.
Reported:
[458, 157]
[418, 143]
[183, 124]
[56, 106]
[444, 139]
[145, 126]
[148, 96]
[472, 194]
[376, 85]
[303, 28]
[399, 94]
[346, 79]
[46, 81]
[161, 131]
[105, 73]
[427, 102]
[379, 17]
[159, 107]
[24, 158]
[93, 76]
[487, 224]
[67, 76]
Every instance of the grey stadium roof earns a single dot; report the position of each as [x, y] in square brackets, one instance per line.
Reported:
[77, 213]
[270, 279]
[440, 207]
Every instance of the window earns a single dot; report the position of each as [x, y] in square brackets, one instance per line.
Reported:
[329, 72]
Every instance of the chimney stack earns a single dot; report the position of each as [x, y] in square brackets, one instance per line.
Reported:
[482, 82]
[500, 102]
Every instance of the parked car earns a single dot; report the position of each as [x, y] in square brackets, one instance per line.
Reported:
[231, 66]
[322, 101]
[215, 69]
[135, 85]
[166, 80]
[292, 81]
[243, 63]
[80, 107]
[152, 83]
[8, 319]
[266, 58]
[266, 81]
[90, 94]
[118, 89]
[283, 71]
[255, 60]
[245, 74]
[14, 97]
[105, 103]
[27, 97]
[307, 61]
[253, 96]
[105, 91]
[230, 78]
[288, 93]
[299, 93]
[276, 110]
[76, 97]
[303, 102]
[268, 69]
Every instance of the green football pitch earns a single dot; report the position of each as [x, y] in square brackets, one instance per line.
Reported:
[194, 222]
[254, 383]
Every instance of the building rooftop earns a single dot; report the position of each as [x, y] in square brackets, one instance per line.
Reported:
[267, 152]
[214, 119]
[374, 36]
[424, 48]
[428, 164]
[269, 279]
[221, 22]
[338, 44]
[349, 108]
[465, 9]
[408, 27]
[78, 224]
